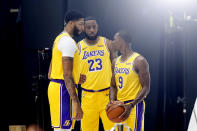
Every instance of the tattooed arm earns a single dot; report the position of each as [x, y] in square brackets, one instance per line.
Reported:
[113, 88]
[69, 81]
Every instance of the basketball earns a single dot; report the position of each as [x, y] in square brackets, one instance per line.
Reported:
[114, 110]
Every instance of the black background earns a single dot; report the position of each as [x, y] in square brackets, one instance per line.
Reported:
[172, 58]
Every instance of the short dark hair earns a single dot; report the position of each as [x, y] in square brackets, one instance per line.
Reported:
[90, 18]
[125, 35]
[72, 15]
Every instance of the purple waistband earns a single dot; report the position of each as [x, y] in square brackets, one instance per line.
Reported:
[58, 81]
[61, 82]
[95, 90]
[125, 102]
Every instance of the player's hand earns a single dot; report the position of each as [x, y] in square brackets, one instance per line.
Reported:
[78, 112]
[82, 79]
[109, 104]
[114, 102]
[127, 111]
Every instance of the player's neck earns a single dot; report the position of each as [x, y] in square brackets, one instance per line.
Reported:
[92, 42]
[68, 30]
[126, 53]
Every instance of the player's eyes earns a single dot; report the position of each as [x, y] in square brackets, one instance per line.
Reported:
[81, 23]
[88, 27]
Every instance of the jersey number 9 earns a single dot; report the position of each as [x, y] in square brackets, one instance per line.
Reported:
[120, 82]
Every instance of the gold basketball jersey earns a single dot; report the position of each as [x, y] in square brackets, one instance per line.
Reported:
[57, 67]
[127, 80]
[95, 64]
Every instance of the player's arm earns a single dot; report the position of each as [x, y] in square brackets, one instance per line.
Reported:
[67, 47]
[67, 63]
[141, 66]
[113, 88]
[50, 68]
[111, 49]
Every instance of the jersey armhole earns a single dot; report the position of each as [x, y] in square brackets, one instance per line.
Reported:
[113, 66]
[79, 47]
[106, 47]
[132, 65]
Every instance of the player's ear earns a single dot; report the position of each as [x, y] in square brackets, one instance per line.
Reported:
[71, 24]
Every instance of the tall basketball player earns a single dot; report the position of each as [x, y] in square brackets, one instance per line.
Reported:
[130, 81]
[63, 75]
[95, 63]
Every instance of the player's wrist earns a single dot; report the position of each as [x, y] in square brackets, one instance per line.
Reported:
[77, 102]
[132, 105]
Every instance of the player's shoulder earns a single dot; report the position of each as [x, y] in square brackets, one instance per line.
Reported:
[66, 42]
[67, 39]
[81, 42]
[115, 60]
[140, 60]
[107, 42]
[139, 57]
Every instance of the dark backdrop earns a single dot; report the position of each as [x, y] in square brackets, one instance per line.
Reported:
[172, 60]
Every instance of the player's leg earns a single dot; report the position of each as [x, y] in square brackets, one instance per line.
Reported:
[54, 102]
[107, 124]
[131, 120]
[136, 117]
[90, 120]
[104, 98]
[60, 106]
[144, 105]
[65, 109]
[140, 116]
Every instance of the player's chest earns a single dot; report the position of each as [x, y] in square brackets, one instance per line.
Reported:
[92, 52]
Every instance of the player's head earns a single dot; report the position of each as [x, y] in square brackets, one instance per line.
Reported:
[34, 127]
[75, 20]
[91, 28]
[122, 39]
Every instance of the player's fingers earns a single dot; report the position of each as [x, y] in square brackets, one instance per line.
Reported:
[123, 114]
[84, 79]
[81, 116]
[112, 101]
[125, 117]
[107, 107]
[76, 117]
[83, 76]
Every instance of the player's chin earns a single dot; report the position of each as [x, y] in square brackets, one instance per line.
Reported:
[79, 33]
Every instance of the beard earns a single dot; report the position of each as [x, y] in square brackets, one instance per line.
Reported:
[91, 37]
[76, 36]
[76, 32]
[79, 37]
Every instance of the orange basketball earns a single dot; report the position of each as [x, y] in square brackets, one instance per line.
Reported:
[114, 110]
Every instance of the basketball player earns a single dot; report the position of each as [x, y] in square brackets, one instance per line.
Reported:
[130, 81]
[95, 64]
[62, 72]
